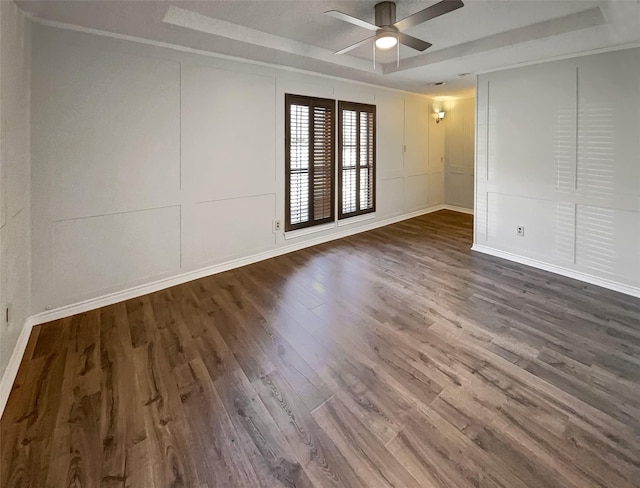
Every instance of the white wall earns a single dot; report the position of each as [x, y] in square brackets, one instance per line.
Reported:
[141, 168]
[14, 181]
[459, 126]
[559, 152]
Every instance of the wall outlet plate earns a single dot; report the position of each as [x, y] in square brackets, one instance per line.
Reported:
[520, 230]
[277, 226]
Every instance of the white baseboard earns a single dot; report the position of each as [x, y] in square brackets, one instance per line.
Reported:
[84, 306]
[455, 208]
[9, 376]
[570, 273]
[18, 352]
[136, 291]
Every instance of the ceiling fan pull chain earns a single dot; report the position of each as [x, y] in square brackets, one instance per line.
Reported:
[374, 55]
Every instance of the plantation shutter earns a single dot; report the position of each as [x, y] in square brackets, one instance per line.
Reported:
[356, 159]
[309, 158]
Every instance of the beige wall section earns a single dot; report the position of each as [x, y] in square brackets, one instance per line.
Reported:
[150, 162]
[459, 126]
[14, 181]
[436, 159]
[564, 162]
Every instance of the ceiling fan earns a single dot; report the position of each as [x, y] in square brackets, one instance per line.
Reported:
[388, 32]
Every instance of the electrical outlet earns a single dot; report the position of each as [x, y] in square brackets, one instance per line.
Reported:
[520, 230]
[277, 226]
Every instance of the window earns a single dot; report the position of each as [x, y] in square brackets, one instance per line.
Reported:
[310, 163]
[356, 159]
[310, 160]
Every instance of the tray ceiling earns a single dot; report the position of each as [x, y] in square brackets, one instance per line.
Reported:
[481, 36]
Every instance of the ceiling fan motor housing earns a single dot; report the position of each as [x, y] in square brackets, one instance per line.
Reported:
[385, 14]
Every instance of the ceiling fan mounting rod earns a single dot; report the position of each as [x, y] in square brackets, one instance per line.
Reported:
[385, 14]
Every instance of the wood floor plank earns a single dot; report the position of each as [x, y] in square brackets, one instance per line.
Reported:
[271, 456]
[121, 418]
[312, 447]
[174, 335]
[35, 420]
[371, 460]
[246, 351]
[303, 379]
[207, 341]
[222, 461]
[164, 417]
[139, 315]
[435, 451]
[75, 454]
[392, 358]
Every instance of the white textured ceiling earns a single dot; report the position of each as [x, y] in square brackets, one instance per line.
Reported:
[481, 36]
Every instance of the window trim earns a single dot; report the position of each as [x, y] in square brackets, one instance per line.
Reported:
[358, 108]
[311, 102]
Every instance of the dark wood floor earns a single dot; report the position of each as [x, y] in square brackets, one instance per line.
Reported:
[393, 358]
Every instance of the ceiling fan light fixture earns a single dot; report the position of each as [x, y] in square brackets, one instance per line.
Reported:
[386, 41]
[389, 33]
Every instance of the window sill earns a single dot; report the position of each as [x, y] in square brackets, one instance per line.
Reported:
[293, 234]
[356, 219]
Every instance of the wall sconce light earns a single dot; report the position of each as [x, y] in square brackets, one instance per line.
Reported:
[439, 117]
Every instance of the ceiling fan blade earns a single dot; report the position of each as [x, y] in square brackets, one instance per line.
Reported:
[352, 20]
[440, 8]
[353, 46]
[413, 42]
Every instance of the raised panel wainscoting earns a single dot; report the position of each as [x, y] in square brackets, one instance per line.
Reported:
[558, 152]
